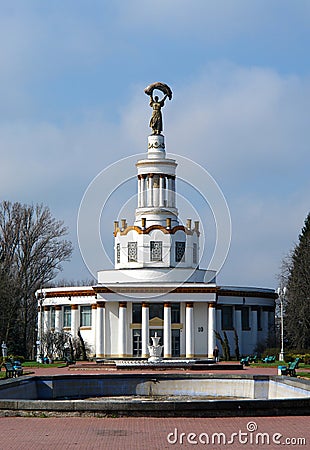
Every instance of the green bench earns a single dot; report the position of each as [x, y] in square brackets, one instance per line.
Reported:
[249, 359]
[291, 369]
[269, 359]
[18, 368]
[13, 369]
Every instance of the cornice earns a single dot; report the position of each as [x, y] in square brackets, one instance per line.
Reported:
[81, 293]
[244, 293]
[155, 289]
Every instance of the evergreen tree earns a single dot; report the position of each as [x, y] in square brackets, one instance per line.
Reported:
[297, 311]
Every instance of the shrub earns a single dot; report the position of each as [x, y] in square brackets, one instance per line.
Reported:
[292, 355]
[271, 352]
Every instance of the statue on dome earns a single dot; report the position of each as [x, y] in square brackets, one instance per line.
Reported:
[156, 122]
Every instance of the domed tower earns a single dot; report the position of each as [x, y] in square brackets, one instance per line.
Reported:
[156, 239]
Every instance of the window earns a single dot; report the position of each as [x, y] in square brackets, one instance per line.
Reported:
[156, 310]
[118, 253]
[132, 252]
[175, 343]
[136, 343]
[195, 254]
[227, 318]
[259, 319]
[136, 313]
[179, 251]
[85, 316]
[156, 248]
[67, 316]
[245, 318]
[52, 317]
[175, 312]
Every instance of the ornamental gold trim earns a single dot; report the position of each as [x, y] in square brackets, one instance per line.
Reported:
[156, 145]
[155, 227]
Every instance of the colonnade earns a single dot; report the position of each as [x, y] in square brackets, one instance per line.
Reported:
[145, 330]
[258, 327]
[99, 321]
[156, 190]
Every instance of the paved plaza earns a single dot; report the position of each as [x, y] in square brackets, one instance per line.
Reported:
[153, 433]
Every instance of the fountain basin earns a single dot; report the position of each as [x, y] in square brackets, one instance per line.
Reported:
[159, 395]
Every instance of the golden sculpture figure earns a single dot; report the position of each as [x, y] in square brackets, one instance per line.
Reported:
[156, 122]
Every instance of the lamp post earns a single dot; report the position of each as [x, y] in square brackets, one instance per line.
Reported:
[41, 297]
[4, 350]
[282, 293]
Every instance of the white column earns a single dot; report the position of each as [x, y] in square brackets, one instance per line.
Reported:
[145, 332]
[167, 330]
[150, 190]
[173, 192]
[169, 196]
[139, 191]
[143, 191]
[93, 326]
[74, 320]
[161, 191]
[47, 319]
[122, 330]
[211, 328]
[238, 322]
[58, 326]
[189, 330]
[156, 192]
[100, 329]
[39, 323]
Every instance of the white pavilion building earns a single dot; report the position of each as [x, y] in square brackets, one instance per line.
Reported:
[157, 285]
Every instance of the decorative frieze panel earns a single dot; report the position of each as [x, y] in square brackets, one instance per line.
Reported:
[132, 251]
[156, 250]
[179, 251]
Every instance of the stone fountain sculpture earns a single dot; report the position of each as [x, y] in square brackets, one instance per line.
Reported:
[155, 349]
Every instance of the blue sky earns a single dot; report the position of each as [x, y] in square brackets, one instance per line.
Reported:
[72, 76]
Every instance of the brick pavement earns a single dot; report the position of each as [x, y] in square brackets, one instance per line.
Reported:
[143, 433]
[150, 433]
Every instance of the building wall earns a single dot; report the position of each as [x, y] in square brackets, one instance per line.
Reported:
[252, 316]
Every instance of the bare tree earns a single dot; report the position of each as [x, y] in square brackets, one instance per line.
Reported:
[32, 249]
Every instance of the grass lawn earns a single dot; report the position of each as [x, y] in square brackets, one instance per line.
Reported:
[279, 363]
[35, 364]
[303, 374]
